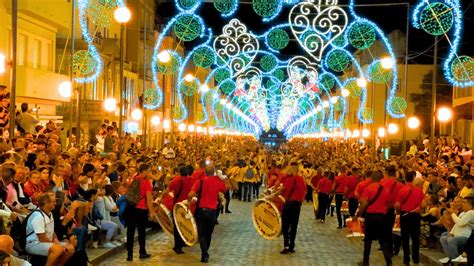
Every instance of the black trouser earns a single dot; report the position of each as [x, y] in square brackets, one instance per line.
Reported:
[470, 251]
[323, 199]
[329, 207]
[309, 193]
[339, 199]
[256, 188]
[247, 191]
[241, 190]
[227, 198]
[136, 218]
[377, 227]
[178, 240]
[395, 240]
[353, 204]
[289, 218]
[410, 224]
[206, 220]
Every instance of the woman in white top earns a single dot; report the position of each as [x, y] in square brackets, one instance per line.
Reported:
[460, 233]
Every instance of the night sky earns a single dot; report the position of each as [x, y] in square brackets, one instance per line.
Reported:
[389, 18]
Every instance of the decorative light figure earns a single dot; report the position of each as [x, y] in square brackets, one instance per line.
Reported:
[155, 120]
[392, 128]
[387, 63]
[137, 114]
[381, 132]
[189, 77]
[122, 14]
[182, 127]
[204, 88]
[413, 122]
[345, 92]
[365, 133]
[65, 89]
[164, 57]
[361, 82]
[110, 104]
[333, 99]
[325, 104]
[444, 114]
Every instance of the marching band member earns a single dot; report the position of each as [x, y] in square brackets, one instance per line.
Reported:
[324, 188]
[339, 189]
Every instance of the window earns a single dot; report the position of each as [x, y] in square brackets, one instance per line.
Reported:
[35, 53]
[21, 49]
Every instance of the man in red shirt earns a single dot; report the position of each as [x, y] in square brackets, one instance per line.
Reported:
[180, 186]
[359, 190]
[339, 189]
[390, 183]
[408, 204]
[293, 190]
[374, 203]
[200, 173]
[137, 216]
[350, 183]
[324, 187]
[208, 190]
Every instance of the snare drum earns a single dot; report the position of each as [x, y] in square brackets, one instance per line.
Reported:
[185, 222]
[396, 225]
[164, 215]
[266, 216]
[345, 207]
[356, 229]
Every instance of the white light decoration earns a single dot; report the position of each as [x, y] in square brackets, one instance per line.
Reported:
[155, 120]
[204, 88]
[345, 92]
[392, 128]
[228, 105]
[348, 134]
[164, 57]
[110, 104]
[65, 89]
[413, 122]
[381, 132]
[199, 129]
[325, 104]
[387, 63]
[137, 114]
[191, 128]
[444, 114]
[365, 133]
[122, 14]
[361, 82]
[319, 108]
[182, 127]
[166, 124]
[341, 134]
[333, 99]
[223, 101]
[189, 77]
[356, 133]
[3, 63]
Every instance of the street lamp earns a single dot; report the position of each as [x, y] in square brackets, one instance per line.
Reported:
[204, 88]
[189, 77]
[381, 132]
[155, 120]
[65, 89]
[365, 133]
[191, 128]
[356, 133]
[110, 104]
[122, 14]
[345, 93]
[392, 128]
[387, 63]
[361, 82]
[182, 127]
[413, 122]
[137, 114]
[164, 57]
[444, 114]
[166, 124]
[333, 99]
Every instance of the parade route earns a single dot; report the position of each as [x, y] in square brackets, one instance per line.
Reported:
[235, 242]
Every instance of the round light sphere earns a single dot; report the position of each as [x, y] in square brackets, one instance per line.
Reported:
[387, 63]
[189, 77]
[191, 128]
[444, 114]
[122, 14]
[361, 35]
[155, 120]
[110, 104]
[187, 27]
[392, 128]
[381, 132]
[365, 133]
[413, 122]
[65, 89]
[182, 127]
[345, 92]
[278, 39]
[164, 57]
[436, 18]
[204, 88]
[137, 114]
[361, 82]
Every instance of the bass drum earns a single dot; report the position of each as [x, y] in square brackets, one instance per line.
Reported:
[164, 214]
[266, 216]
[185, 222]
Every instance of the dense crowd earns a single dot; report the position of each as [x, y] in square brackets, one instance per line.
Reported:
[58, 199]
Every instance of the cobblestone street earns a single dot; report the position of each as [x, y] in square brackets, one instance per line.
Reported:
[235, 242]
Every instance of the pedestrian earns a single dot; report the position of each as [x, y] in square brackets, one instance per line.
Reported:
[408, 204]
[26, 120]
[374, 202]
[136, 215]
[390, 183]
[207, 190]
[349, 191]
[293, 190]
[339, 189]
[324, 188]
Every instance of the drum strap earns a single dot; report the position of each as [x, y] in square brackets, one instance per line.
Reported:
[407, 198]
[379, 191]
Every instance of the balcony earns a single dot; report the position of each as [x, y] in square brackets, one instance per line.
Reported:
[462, 96]
[39, 84]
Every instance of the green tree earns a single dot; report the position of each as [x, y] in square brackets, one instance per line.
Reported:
[422, 101]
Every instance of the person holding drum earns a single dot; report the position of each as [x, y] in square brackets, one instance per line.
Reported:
[207, 190]
[408, 204]
[375, 202]
[293, 190]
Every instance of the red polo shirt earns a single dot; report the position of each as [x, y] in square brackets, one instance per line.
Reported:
[181, 185]
[211, 187]
[296, 186]
[315, 180]
[350, 183]
[381, 203]
[392, 186]
[145, 186]
[198, 174]
[324, 185]
[362, 186]
[410, 197]
[339, 185]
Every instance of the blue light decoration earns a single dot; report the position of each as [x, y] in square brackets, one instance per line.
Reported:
[445, 17]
